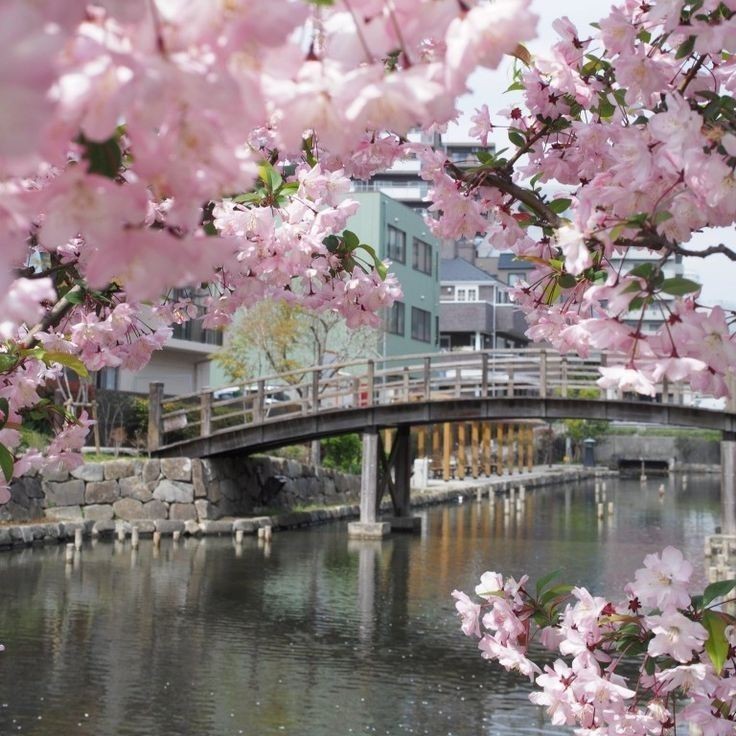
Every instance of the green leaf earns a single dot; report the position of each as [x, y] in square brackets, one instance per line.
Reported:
[662, 216]
[545, 580]
[558, 591]
[351, 240]
[679, 286]
[8, 361]
[517, 138]
[643, 270]
[6, 462]
[558, 206]
[615, 233]
[717, 590]
[717, 645]
[103, 157]
[74, 297]
[685, 48]
[378, 264]
[650, 666]
[515, 87]
[5, 409]
[289, 188]
[270, 177]
[567, 281]
[605, 108]
[68, 361]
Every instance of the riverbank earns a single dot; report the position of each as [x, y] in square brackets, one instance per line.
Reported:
[55, 532]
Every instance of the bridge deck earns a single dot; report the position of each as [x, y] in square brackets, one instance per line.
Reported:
[412, 390]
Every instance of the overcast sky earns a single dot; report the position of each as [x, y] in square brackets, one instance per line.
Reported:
[716, 273]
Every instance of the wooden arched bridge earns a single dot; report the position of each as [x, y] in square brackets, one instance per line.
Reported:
[403, 392]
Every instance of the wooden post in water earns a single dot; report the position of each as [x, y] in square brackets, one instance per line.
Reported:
[499, 458]
[486, 450]
[531, 449]
[474, 443]
[446, 450]
[422, 441]
[461, 451]
[155, 399]
[436, 445]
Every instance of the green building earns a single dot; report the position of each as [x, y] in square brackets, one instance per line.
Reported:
[400, 235]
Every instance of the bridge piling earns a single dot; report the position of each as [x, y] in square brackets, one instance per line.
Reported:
[368, 527]
[728, 487]
[402, 520]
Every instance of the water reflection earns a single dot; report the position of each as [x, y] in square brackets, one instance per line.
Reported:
[312, 633]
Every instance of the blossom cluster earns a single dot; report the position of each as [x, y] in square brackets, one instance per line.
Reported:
[680, 647]
[150, 146]
[624, 146]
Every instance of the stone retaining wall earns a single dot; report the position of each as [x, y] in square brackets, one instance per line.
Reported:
[175, 489]
[60, 531]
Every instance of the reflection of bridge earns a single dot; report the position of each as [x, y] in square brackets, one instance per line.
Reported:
[401, 392]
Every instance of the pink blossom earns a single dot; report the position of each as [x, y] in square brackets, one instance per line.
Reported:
[663, 581]
[675, 636]
[469, 613]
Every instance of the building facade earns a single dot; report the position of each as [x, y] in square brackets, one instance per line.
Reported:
[400, 235]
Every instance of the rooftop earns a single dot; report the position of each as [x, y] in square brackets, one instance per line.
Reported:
[458, 269]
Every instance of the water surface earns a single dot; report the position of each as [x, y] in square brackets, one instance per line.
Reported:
[313, 635]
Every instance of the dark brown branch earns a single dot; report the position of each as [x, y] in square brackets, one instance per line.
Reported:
[710, 251]
[487, 178]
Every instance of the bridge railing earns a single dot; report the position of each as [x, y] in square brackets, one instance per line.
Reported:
[531, 372]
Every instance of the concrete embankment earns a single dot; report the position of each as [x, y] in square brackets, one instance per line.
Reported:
[52, 531]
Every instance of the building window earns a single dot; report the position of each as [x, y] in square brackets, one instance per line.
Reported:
[516, 278]
[396, 248]
[422, 256]
[421, 325]
[107, 378]
[466, 293]
[395, 319]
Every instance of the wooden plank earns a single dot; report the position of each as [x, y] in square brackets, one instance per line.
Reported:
[499, 451]
[486, 450]
[474, 447]
[460, 455]
[446, 451]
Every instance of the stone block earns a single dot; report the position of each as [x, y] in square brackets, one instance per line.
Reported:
[98, 512]
[229, 489]
[21, 534]
[167, 526]
[89, 472]
[174, 491]
[191, 527]
[198, 481]
[136, 488]
[209, 470]
[368, 530]
[123, 526]
[145, 527]
[5, 539]
[70, 493]
[151, 470]
[247, 526]
[128, 509]
[64, 513]
[115, 469]
[176, 468]
[211, 527]
[155, 510]
[214, 494]
[104, 528]
[206, 510]
[182, 512]
[405, 523]
[105, 491]
[56, 474]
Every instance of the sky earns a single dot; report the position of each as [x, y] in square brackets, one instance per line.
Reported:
[716, 273]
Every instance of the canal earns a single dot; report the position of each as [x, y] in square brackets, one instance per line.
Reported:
[313, 634]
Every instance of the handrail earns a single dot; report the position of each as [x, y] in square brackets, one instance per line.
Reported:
[426, 377]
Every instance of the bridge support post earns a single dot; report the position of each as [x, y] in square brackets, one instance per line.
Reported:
[368, 527]
[402, 519]
[728, 487]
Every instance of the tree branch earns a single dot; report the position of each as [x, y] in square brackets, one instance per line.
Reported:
[54, 316]
[711, 251]
[487, 178]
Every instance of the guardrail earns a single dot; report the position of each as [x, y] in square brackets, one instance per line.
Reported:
[529, 372]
